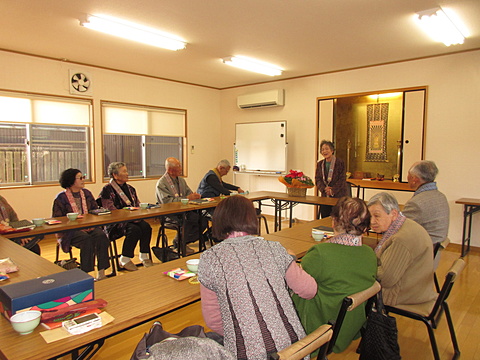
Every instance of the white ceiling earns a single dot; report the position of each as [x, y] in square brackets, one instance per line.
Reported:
[304, 37]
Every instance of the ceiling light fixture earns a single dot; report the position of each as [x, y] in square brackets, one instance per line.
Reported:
[440, 27]
[249, 64]
[131, 31]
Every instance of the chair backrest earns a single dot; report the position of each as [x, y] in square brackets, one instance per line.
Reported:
[450, 278]
[313, 341]
[348, 304]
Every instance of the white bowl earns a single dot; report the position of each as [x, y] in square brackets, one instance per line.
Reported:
[143, 205]
[72, 216]
[192, 265]
[26, 321]
[318, 235]
[184, 201]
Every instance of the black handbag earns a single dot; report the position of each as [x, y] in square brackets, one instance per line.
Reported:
[380, 338]
[158, 334]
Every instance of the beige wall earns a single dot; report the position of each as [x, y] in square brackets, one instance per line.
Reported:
[30, 74]
[451, 136]
[452, 119]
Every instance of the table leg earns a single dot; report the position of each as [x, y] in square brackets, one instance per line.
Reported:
[291, 214]
[468, 211]
[182, 245]
[89, 351]
[277, 210]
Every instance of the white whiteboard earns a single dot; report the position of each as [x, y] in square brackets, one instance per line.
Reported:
[261, 146]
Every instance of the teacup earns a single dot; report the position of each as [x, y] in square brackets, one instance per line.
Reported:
[192, 265]
[143, 205]
[184, 201]
[318, 235]
[72, 216]
[233, 192]
[38, 221]
[26, 321]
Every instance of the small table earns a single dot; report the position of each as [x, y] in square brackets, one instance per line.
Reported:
[470, 207]
[375, 184]
[283, 201]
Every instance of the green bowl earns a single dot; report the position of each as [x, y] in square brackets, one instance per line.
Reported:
[26, 321]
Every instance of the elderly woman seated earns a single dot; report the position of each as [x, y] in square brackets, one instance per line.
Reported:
[117, 194]
[245, 283]
[404, 253]
[92, 242]
[7, 216]
[341, 266]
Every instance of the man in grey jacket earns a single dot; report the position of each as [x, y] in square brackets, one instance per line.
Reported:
[172, 188]
[428, 206]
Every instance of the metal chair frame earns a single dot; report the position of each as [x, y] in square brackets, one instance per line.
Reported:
[318, 339]
[348, 304]
[440, 304]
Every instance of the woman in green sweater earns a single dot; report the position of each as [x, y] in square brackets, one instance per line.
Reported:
[341, 266]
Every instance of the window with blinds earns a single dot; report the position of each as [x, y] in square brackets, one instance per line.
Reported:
[142, 137]
[40, 136]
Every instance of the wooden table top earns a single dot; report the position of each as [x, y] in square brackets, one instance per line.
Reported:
[118, 216]
[309, 199]
[468, 201]
[299, 247]
[304, 233]
[121, 215]
[383, 185]
[132, 298]
[30, 264]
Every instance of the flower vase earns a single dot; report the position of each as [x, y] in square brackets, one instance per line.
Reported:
[293, 191]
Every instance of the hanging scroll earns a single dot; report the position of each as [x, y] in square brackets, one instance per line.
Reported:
[377, 119]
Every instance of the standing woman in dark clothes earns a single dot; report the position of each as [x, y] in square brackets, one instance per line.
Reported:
[330, 176]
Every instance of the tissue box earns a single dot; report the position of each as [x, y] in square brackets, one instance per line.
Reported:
[47, 293]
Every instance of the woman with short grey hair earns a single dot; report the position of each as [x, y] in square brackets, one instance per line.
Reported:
[114, 167]
[117, 194]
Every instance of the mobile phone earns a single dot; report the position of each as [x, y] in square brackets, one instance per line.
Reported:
[83, 324]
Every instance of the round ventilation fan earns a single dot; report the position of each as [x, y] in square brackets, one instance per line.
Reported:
[80, 82]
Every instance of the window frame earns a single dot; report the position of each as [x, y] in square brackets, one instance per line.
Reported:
[132, 106]
[39, 97]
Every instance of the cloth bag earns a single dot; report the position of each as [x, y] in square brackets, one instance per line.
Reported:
[157, 334]
[380, 339]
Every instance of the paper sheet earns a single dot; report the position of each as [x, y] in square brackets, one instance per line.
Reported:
[60, 333]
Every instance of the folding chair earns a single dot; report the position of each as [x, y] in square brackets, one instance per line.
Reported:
[165, 252]
[436, 248]
[66, 264]
[317, 339]
[427, 312]
[261, 217]
[348, 304]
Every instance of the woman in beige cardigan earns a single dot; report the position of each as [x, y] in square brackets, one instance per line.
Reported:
[405, 253]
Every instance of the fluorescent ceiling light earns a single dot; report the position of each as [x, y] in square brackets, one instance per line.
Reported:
[249, 64]
[131, 31]
[440, 27]
[385, 95]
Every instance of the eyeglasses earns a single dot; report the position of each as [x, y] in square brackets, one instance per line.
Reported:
[81, 178]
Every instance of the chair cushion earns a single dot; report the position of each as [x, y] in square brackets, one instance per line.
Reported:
[423, 309]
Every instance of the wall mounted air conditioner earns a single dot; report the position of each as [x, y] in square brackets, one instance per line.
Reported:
[261, 99]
